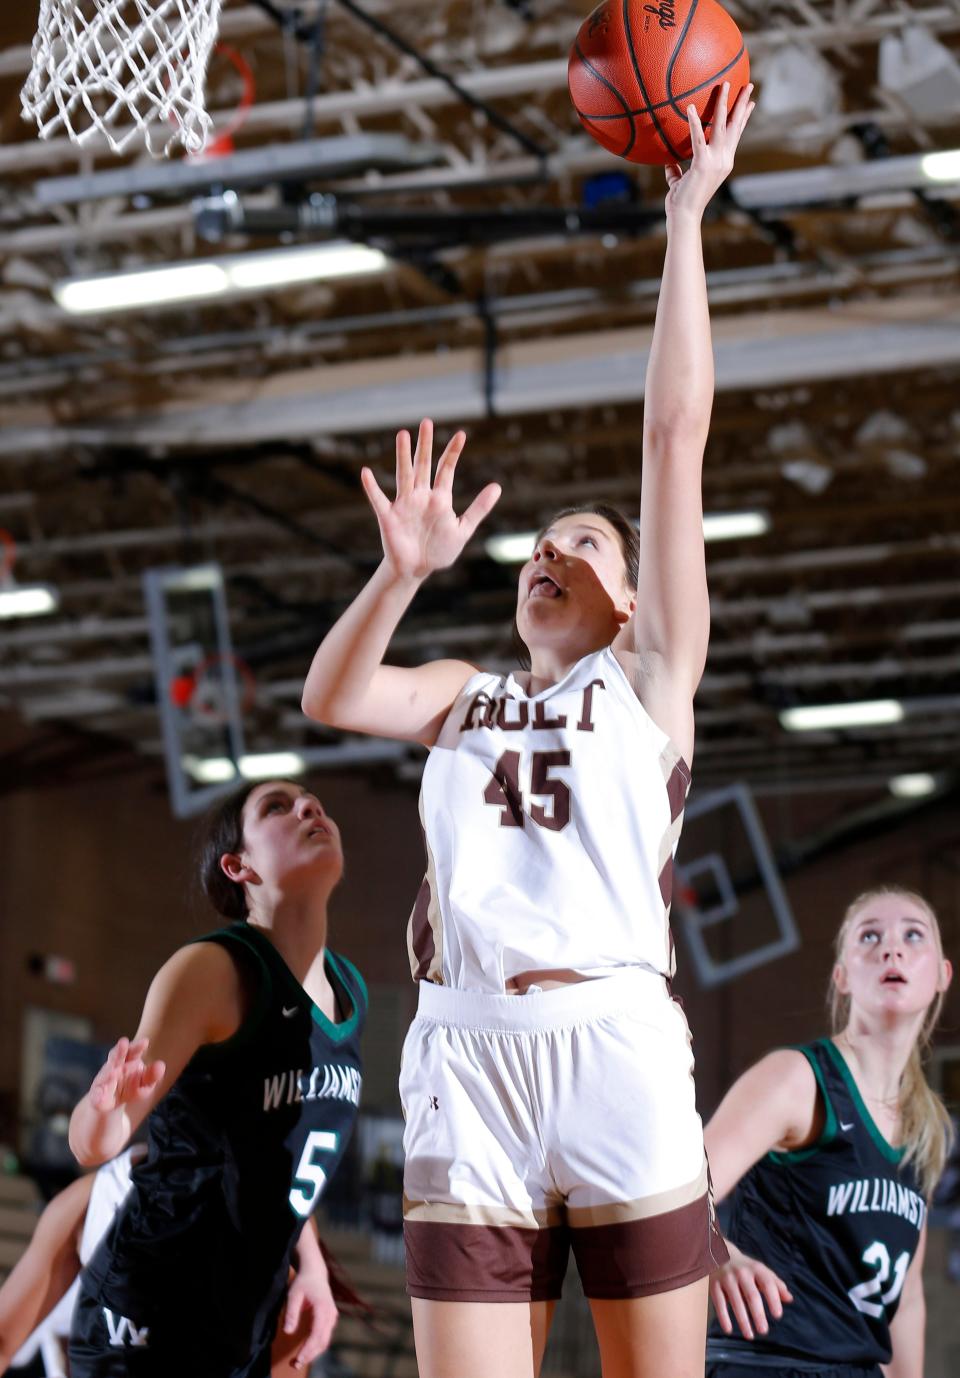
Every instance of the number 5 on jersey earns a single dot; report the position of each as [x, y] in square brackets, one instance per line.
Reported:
[318, 1141]
[505, 793]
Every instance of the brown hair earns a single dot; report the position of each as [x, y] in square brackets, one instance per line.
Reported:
[925, 1126]
[628, 537]
[221, 832]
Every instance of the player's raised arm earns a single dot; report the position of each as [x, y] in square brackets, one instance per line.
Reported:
[195, 998]
[348, 686]
[672, 620]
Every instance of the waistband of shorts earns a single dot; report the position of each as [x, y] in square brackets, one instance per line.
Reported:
[626, 988]
[720, 1353]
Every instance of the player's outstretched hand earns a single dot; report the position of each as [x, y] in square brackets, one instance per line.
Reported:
[125, 1077]
[712, 163]
[420, 530]
[750, 1290]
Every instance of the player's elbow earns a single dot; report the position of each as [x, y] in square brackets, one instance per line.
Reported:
[320, 706]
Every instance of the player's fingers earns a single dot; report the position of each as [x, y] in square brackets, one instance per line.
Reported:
[404, 463]
[738, 1306]
[744, 108]
[423, 456]
[754, 1300]
[767, 1283]
[720, 1306]
[291, 1312]
[321, 1329]
[698, 139]
[376, 497]
[447, 463]
[723, 102]
[674, 173]
[482, 505]
[150, 1078]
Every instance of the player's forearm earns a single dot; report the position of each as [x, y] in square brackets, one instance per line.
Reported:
[907, 1335]
[678, 395]
[96, 1136]
[353, 649]
[307, 1253]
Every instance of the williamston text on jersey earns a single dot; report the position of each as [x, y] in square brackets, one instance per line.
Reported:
[331, 1081]
[877, 1194]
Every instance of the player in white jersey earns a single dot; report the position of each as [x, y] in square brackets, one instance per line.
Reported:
[37, 1300]
[546, 1080]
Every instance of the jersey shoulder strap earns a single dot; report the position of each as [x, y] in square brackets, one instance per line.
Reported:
[242, 942]
[817, 1056]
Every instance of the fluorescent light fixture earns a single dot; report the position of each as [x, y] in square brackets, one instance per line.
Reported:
[265, 765]
[732, 526]
[195, 579]
[915, 786]
[513, 549]
[517, 547]
[209, 770]
[276, 267]
[214, 277]
[28, 600]
[268, 764]
[942, 167]
[823, 716]
[153, 287]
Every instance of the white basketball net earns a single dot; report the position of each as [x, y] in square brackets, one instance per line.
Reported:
[119, 68]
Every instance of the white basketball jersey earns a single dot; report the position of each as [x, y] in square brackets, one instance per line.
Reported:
[551, 822]
[109, 1190]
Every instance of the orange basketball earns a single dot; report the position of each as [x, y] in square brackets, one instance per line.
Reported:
[635, 67]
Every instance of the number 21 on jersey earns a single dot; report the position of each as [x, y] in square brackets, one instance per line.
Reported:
[877, 1255]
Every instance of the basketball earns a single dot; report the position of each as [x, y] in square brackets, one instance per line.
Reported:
[635, 67]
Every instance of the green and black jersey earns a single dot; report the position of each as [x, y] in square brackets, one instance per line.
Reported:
[840, 1222]
[240, 1149]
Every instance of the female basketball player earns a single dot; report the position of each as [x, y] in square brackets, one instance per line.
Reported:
[252, 1095]
[545, 1106]
[834, 1149]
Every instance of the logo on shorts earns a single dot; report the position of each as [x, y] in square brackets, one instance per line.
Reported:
[434, 1102]
[123, 1332]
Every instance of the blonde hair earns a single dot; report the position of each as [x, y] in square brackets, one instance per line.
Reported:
[926, 1130]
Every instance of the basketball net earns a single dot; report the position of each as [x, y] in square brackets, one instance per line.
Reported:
[123, 68]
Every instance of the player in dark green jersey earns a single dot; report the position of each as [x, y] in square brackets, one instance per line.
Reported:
[832, 1151]
[252, 1091]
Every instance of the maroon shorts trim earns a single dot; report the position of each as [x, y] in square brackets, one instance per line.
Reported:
[485, 1262]
[659, 1253]
[633, 1258]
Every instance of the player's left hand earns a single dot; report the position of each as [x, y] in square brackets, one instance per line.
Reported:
[310, 1314]
[711, 164]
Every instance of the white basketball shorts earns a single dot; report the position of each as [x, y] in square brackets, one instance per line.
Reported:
[550, 1120]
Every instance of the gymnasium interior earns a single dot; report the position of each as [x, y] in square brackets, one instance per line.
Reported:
[403, 217]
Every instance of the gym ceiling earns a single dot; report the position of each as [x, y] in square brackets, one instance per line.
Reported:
[517, 301]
